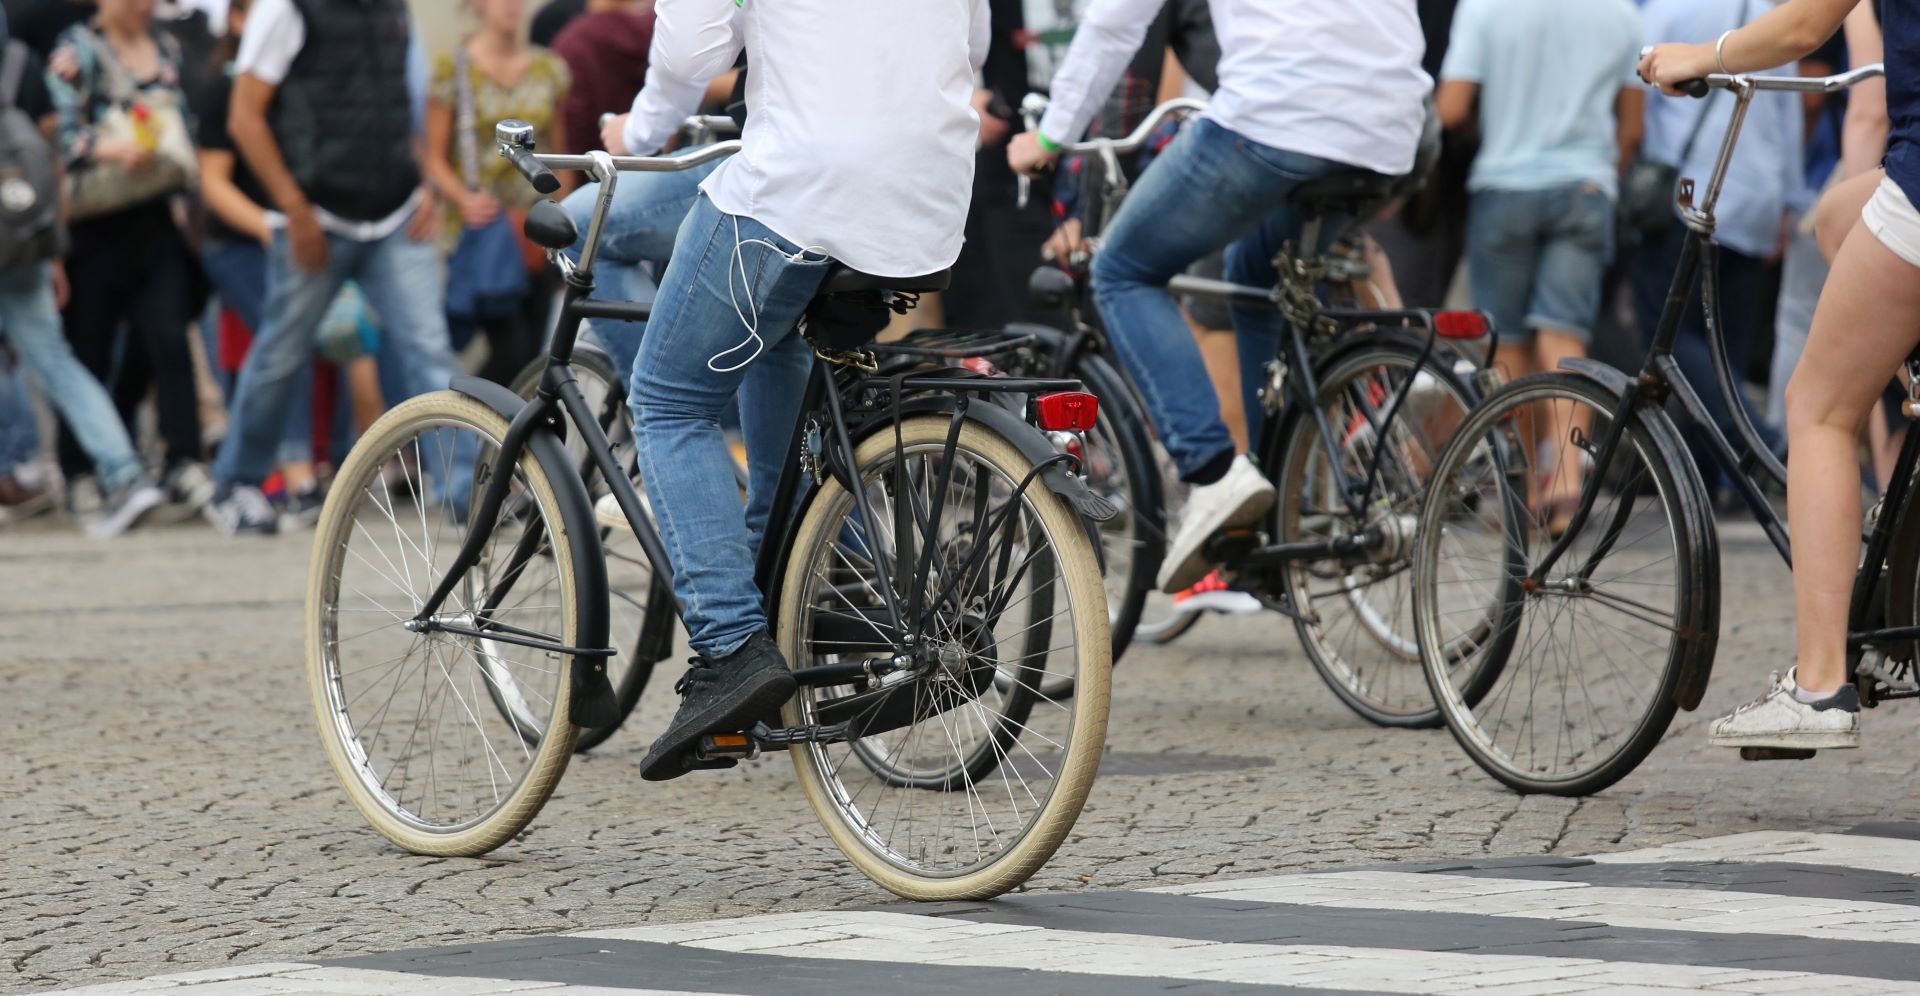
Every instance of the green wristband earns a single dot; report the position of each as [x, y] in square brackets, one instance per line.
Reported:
[1047, 144]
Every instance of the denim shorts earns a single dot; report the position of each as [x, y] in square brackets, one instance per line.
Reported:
[1536, 258]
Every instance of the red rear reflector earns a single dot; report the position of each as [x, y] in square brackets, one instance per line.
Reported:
[1460, 324]
[1067, 411]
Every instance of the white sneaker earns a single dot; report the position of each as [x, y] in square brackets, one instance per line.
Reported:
[1777, 719]
[607, 511]
[1238, 499]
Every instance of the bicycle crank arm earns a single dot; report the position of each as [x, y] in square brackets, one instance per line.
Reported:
[1234, 549]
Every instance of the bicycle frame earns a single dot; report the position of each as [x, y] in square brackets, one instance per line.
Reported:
[1661, 378]
[827, 394]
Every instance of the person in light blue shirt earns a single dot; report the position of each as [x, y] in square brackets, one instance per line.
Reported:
[1558, 108]
[1768, 169]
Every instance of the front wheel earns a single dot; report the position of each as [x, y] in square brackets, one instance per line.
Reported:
[405, 716]
[1578, 683]
[964, 774]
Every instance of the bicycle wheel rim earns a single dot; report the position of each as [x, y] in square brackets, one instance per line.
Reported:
[1038, 747]
[357, 576]
[1356, 613]
[1594, 663]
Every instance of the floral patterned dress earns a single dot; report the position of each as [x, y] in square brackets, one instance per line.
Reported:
[535, 99]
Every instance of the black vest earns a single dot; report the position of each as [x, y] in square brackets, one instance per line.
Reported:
[343, 116]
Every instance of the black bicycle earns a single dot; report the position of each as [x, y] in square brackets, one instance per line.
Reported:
[929, 567]
[1570, 497]
[1357, 404]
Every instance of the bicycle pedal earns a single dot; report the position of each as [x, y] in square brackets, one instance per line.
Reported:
[731, 748]
[1776, 753]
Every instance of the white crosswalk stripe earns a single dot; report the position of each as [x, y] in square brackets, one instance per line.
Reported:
[1764, 912]
[1837, 850]
[1675, 909]
[895, 937]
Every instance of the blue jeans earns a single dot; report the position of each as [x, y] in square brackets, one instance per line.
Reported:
[403, 284]
[645, 215]
[1163, 227]
[1537, 258]
[32, 325]
[19, 427]
[238, 272]
[677, 397]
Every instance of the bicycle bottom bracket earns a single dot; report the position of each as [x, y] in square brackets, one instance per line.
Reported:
[1775, 754]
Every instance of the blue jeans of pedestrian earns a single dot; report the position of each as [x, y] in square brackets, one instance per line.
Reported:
[32, 326]
[1160, 231]
[640, 227]
[677, 395]
[19, 427]
[403, 284]
[1537, 258]
[238, 272]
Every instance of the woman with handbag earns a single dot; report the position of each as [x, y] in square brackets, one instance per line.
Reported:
[492, 273]
[125, 137]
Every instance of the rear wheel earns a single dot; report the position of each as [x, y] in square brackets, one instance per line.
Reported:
[968, 774]
[404, 715]
[1391, 408]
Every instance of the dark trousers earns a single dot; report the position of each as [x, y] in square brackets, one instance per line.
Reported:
[1742, 284]
[1002, 250]
[132, 272]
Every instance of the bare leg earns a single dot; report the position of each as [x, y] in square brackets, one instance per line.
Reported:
[363, 383]
[1550, 346]
[1222, 356]
[1867, 321]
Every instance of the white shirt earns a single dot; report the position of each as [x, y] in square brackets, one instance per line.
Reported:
[1337, 79]
[860, 129]
[273, 38]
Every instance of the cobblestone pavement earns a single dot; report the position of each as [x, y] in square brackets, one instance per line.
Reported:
[169, 807]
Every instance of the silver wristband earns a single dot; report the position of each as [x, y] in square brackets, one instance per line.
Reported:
[1719, 50]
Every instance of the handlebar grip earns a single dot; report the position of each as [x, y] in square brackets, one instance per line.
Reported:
[1693, 88]
[536, 173]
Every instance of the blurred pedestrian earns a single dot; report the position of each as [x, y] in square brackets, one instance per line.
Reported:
[32, 236]
[38, 24]
[1553, 91]
[125, 136]
[320, 115]
[606, 51]
[553, 18]
[492, 75]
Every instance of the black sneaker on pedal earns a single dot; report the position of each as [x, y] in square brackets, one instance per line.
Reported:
[720, 696]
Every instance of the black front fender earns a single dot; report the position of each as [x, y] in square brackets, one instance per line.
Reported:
[592, 702]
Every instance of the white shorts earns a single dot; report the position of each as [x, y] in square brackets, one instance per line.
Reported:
[1891, 218]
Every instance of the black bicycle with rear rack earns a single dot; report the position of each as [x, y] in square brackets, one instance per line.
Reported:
[928, 567]
[1611, 616]
[1356, 405]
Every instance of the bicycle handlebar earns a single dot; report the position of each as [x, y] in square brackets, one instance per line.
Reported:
[1035, 105]
[1792, 84]
[515, 139]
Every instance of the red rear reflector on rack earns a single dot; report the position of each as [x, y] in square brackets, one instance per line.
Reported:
[1460, 324]
[1067, 411]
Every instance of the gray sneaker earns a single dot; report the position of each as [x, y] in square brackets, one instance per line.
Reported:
[243, 509]
[123, 507]
[727, 695]
[1778, 719]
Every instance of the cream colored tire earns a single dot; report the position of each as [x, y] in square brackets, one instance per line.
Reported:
[354, 490]
[1084, 715]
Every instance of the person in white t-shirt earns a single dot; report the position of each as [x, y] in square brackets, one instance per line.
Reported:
[860, 149]
[1308, 88]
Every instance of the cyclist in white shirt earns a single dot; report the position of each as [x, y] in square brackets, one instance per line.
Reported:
[860, 149]
[1308, 88]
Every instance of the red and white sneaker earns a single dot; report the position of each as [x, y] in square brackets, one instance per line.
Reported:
[1211, 594]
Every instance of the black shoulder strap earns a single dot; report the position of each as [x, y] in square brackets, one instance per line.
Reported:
[13, 69]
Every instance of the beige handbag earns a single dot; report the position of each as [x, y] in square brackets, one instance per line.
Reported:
[153, 118]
